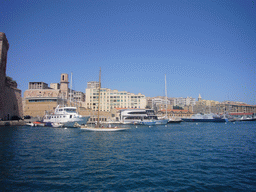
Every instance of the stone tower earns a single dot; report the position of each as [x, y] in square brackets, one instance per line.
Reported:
[10, 95]
[199, 98]
[64, 85]
[4, 46]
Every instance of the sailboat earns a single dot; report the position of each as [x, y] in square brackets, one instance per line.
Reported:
[98, 126]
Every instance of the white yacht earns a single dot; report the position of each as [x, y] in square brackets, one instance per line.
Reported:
[67, 116]
[141, 116]
[132, 116]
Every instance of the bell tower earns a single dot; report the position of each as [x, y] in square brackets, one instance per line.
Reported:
[64, 85]
[199, 98]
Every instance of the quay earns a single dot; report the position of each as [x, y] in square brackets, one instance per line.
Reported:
[12, 123]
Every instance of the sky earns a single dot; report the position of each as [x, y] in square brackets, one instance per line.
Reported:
[205, 47]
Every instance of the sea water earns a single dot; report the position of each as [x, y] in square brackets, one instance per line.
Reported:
[176, 157]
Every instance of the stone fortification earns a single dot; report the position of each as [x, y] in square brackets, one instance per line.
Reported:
[10, 96]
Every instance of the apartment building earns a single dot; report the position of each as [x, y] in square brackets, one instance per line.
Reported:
[182, 101]
[111, 99]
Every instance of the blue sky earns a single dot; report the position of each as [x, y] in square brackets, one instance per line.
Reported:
[206, 46]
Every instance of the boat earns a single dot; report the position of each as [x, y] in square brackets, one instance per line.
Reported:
[98, 126]
[132, 116]
[244, 118]
[141, 117]
[147, 122]
[57, 125]
[205, 118]
[67, 116]
[36, 124]
[153, 117]
[174, 121]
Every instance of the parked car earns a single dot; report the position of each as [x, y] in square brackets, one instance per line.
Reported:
[15, 117]
[27, 117]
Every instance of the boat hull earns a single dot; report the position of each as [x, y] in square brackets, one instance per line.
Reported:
[161, 121]
[75, 122]
[249, 119]
[174, 121]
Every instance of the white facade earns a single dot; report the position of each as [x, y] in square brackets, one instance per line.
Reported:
[160, 101]
[181, 101]
[110, 99]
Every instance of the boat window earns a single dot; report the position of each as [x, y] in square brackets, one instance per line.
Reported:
[137, 112]
[132, 118]
[70, 116]
[70, 110]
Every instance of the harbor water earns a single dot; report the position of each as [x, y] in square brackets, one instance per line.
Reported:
[176, 157]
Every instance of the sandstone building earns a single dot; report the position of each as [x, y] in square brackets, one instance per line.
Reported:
[39, 98]
[10, 95]
[228, 107]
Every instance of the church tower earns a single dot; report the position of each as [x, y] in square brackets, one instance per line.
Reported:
[199, 98]
[64, 85]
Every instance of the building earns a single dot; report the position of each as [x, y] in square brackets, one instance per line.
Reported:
[111, 99]
[64, 90]
[205, 106]
[55, 85]
[182, 102]
[93, 84]
[158, 103]
[39, 98]
[236, 108]
[176, 113]
[227, 107]
[10, 95]
[38, 85]
[77, 97]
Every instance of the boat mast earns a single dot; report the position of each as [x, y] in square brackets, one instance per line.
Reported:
[165, 98]
[98, 123]
[70, 92]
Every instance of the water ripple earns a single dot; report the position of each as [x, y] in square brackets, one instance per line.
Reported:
[184, 157]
